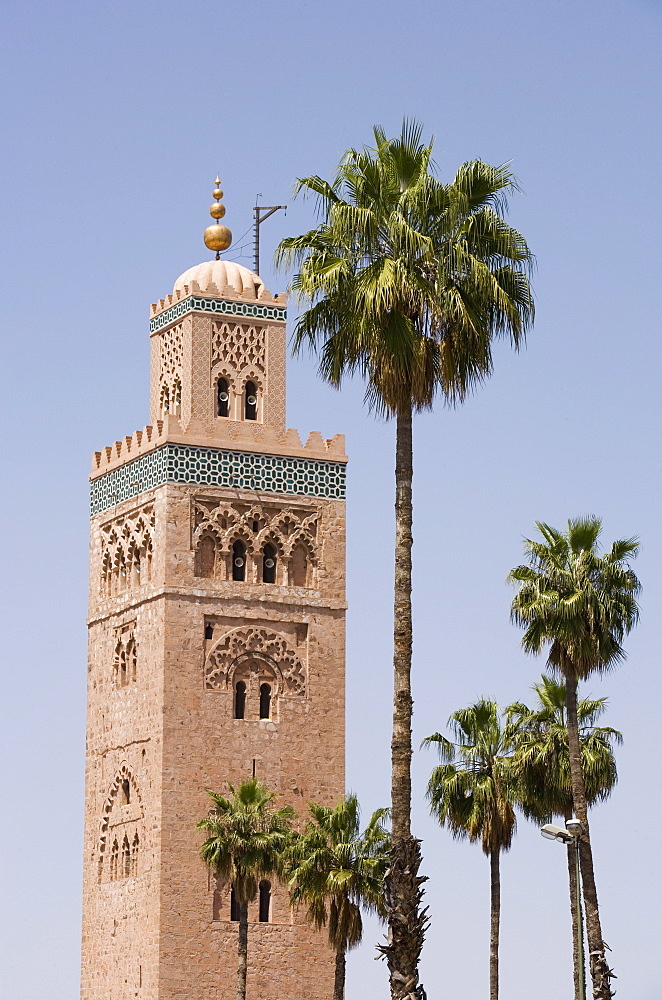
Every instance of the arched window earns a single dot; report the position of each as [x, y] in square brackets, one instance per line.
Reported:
[114, 854]
[205, 557]
[240, 700]
[124, 675]
[265, 701]
[238, 561]
[222, 398]
[134, 854]
[126, 858]
[299, 567]
[177, 398]
[265, 902]
[269, 564]
[234, 905]
[250, 401]
[125, 792]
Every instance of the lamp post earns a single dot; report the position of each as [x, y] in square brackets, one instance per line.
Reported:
[571, 835]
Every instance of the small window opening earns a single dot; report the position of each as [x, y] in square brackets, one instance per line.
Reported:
[238, 561]
[114, 853]
[209, 631]
[269, 564]
[131, 658]
[250, 405]
[256, 525]
[265, 902]
[126, 792]
[222, 397]
[123, 670]
[126, 858]
[265, 701]
[240, 700]
[234, 905]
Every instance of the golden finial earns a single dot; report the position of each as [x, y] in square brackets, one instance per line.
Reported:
[217, 237]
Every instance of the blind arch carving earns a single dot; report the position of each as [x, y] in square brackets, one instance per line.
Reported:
[244, 645]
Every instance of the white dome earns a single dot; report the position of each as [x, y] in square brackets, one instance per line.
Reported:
[221, 273]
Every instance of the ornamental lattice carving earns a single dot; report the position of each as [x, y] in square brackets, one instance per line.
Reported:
[171, 353]
[236, 346]
[126, 552]
[119, 837]
[255, 525]
[243, 644]
[292, 533]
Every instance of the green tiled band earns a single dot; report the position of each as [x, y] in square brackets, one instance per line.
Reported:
[224, 307]
[242, 470]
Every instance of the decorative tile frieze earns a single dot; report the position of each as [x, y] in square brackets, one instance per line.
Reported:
[176, 463]
[224, 307]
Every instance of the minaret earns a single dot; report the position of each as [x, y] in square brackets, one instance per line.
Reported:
[216, 647]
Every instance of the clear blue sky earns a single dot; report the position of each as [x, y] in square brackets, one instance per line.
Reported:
[117, 116]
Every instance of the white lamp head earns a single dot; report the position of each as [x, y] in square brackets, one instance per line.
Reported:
[551, 832]
[574, 827]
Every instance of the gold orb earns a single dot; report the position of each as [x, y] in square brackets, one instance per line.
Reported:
[217, 238]
[217, 193]
[217, 211]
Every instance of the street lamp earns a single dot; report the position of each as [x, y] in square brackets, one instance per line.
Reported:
[572, 835]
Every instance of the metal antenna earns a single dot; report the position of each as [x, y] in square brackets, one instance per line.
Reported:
[258, 220]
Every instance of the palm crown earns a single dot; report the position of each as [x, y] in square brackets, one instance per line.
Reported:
[542, 762]
[472, 790]
[337, 870]
[245, 836]
[409, 279]
[578, 601]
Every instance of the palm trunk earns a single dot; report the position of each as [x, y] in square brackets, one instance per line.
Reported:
[575, 915]
[339, 979]
[600, 972]
[242, 951]
[495, 918]
[402, 889]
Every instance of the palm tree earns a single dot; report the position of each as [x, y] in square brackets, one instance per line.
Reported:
[245, 839]
[472, 793]
[542, 766]
[409, 281]
[337, 871]
[579, 605]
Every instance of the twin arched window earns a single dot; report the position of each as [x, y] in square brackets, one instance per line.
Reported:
[124, 864]
[223, 399]
[264, 896]
[240, 700]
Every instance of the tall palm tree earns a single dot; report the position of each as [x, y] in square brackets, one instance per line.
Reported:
[337, 871]
[246, 836]
[472, 793]
[409, 281]
[579, 605]
[542, 766]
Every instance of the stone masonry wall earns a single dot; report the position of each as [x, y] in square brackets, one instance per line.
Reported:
[168, 730]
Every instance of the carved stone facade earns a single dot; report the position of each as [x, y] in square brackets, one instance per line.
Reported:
[216, 652]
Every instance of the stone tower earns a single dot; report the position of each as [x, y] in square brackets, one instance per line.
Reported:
[216, 650]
